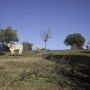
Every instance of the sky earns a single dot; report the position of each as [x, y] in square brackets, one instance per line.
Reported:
[31, 17]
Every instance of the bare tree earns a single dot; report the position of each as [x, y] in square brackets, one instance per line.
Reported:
[45, 35]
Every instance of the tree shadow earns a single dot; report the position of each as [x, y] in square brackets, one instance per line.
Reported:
[79, 69]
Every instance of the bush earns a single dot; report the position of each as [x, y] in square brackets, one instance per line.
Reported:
[27, 46]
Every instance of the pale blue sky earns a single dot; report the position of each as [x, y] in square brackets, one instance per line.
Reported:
[31, 17]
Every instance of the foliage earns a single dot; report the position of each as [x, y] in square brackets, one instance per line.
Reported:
[8, 35]
[27, 46]
[76, 40]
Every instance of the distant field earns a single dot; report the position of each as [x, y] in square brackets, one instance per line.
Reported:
[70, 52]
[56, 52]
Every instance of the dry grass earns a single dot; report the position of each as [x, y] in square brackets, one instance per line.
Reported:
[27, 74]
[32, 72]
[71, 52]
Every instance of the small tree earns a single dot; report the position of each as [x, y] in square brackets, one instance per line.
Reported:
[45, 36]
[8, 35]
[27, 46]
[76, 41]
[2, 36]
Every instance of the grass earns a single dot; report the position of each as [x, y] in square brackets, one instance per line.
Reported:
[32, 72]
[28, 74]
[77, 67]
[39, 54]
[71, 52]
[25, 54]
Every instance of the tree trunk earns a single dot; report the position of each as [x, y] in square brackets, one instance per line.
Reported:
[45, 48]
